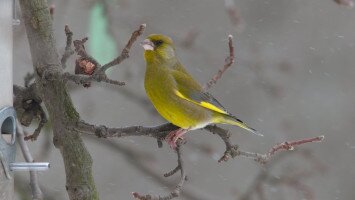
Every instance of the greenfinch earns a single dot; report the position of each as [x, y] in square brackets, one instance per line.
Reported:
[177, 97]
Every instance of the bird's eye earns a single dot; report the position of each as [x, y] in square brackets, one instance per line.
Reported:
[158, 42]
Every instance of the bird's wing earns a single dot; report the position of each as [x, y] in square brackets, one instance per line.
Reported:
[180, 68]
[187, 88]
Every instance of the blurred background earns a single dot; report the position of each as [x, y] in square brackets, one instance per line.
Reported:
[293, 78]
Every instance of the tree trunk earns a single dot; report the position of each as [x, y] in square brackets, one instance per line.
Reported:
[62, 114]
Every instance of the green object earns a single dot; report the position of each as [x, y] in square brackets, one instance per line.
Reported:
[101, 44]
[176, 95]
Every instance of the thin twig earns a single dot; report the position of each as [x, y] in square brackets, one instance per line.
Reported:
[172, 172]
[348, 3]
[36, 190]
[99, 74]
[291, 144]
[288, 145]
[28, 107]
[21, 188]
[126, 49]
[68, 50]
[291, 180]
[42, 121]
[228, 62]
[177, 190]
[264, 158]
[82, 79]
[129, 153]
[233, 150]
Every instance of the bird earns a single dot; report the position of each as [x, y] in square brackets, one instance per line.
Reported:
[176, 95]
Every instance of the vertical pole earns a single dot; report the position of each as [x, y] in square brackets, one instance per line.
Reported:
[6, 53]
[7, 150]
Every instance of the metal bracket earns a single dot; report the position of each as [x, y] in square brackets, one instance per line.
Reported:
[8, 123]
[8, 138]
[8, 147]
[25, 166]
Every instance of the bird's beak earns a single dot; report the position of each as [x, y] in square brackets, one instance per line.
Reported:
[147, 45]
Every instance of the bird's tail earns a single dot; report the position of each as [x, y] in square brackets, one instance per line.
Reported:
[232, 120]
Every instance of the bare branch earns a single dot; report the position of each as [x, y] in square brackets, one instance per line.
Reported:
[86, 65]
[68, 50]
[291, 144]
[36, 190]
[228, 62]
[177, 190]
[233, 150]
[92, 67]
[129, 153]
[82, 79]
[28, 106]
[264, 158]
[172, 172]
[125, 51]
[291, 180]
[161, 131]
[348, 3]
[103, 131]
[42, 121]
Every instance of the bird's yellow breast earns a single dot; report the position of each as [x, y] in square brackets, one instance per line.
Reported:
[160, 89]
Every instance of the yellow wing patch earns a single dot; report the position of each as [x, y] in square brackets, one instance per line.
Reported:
[202, 103]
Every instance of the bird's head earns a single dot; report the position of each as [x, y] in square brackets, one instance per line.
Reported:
[157, 46]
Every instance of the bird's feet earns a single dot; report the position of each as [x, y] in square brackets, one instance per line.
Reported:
[174, 136]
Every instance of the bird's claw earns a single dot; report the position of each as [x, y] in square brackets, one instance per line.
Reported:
[175, 136]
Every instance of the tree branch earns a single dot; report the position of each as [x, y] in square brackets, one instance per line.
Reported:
[36, 190]
[28, 107]
[233, 150]
[83, 80]
[292, 180]
[88, 65]
[228, 62]
[161, 131]
[104, 132]
[129, 153]
[177, 190]
[68, 50]
[125, 52]
[347, 3]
